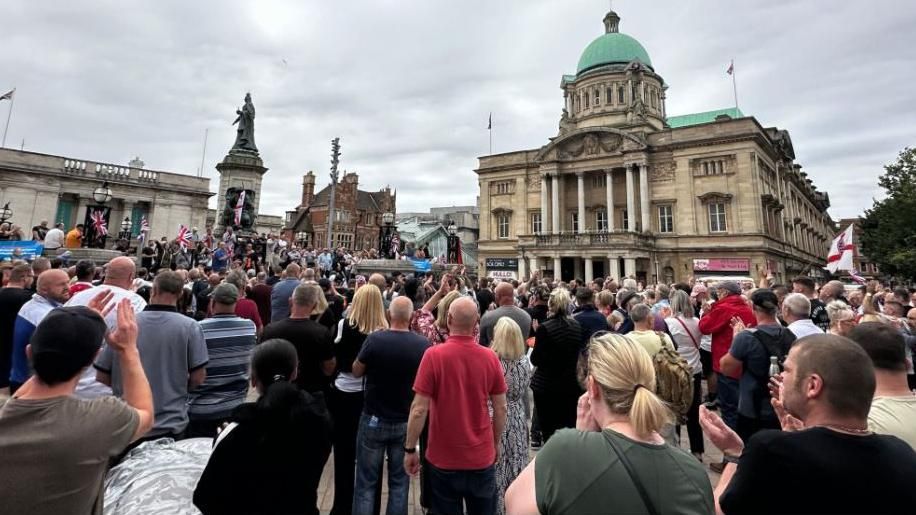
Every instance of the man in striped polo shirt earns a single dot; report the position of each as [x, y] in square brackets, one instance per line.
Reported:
[230, 340]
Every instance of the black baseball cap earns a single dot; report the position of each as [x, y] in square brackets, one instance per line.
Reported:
[66, 341]
[764, 298]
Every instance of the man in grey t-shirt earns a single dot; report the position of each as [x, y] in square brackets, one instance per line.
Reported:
[505, 300]
[174, 355]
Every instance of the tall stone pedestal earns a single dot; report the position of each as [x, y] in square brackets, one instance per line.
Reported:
[239, 169]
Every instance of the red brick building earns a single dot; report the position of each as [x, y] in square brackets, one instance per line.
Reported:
[358, 214]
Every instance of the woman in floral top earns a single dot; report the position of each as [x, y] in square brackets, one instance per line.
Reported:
[435, 329]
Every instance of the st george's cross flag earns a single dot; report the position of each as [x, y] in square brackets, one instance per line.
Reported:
[854, 275]
[144, 229]
[842, 250]
[8, 95]
[184, 236]
[238, 208]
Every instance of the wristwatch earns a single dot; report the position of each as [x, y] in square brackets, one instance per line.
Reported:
[728, 458]
[410, 450]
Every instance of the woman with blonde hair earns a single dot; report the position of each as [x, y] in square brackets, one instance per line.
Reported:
[614, 461]
[557, 345]
[435, 327]
[842, 318]
[367, 315]
[510, 347]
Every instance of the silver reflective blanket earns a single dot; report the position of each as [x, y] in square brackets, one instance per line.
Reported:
[157, 477]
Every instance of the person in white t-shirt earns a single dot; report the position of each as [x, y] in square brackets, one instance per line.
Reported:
[796, 311]
[119, 277]
[55, 238]
[685, 331]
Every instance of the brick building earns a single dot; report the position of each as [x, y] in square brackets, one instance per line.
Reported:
[357, 220]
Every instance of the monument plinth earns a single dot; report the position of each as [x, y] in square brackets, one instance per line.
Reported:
[240, 176]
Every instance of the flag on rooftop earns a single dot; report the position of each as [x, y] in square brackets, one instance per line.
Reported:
[8, 95]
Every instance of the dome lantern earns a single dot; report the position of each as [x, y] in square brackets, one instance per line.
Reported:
[611, 22]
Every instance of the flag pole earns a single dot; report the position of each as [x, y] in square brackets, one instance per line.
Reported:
[734, 84]
[490, 131]
[8, 115]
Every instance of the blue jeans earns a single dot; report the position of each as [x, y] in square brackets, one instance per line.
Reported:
[377, 437]
[727, 393]
[477, 488]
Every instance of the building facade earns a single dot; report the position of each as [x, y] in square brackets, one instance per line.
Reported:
[625, 190]
[357, 214]
[42, 187]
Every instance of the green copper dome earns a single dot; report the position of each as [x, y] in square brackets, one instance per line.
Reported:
[612, 48]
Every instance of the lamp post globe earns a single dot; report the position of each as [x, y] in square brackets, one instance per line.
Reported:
[102, 194]
[388, 218]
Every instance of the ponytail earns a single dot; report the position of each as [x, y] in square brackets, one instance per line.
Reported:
[648, 412]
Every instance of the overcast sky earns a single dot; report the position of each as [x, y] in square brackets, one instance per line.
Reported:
[408, 84]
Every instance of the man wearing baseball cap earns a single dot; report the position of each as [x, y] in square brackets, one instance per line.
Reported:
[56, 447]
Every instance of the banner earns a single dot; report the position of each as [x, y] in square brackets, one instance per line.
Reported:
[421, 265]
[95, 226]
[29, 249]
[721, 265]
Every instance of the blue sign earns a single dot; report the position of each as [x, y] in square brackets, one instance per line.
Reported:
[30, 249]
[421, 265]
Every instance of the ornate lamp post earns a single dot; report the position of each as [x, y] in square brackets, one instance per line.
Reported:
[126, 225]
[6, 213]
[102, 194]
[452, 243]
[385, 237]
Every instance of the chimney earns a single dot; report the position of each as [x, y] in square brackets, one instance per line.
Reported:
[308, 189]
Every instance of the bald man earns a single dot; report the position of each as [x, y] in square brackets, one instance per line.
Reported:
[119, 278]
[282, 291]
[455, 380]
[52, 290]
[505, 302]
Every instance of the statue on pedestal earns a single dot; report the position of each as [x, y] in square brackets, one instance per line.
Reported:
[244, 139]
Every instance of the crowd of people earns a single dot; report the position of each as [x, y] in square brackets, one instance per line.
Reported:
[533, 396]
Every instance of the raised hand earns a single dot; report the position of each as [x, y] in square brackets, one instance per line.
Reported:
[585, 421]
[722, 436]
[101, 302]
[124, 337]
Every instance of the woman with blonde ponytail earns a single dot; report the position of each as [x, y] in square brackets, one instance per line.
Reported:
[614, 461]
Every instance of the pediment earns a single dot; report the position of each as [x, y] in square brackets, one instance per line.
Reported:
[590, 142]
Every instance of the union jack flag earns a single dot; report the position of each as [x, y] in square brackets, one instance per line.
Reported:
[144, 229]
[184, 236]
[98, 223]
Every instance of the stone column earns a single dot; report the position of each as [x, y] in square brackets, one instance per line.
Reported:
[614, 268]
[610, 199]
[589, 270]
[545, 213]
[629, 267]
[521, 267]
[644, 196]
[555, 207]
[557, 276]
[631, 200]
[580, 177]
[577, 268]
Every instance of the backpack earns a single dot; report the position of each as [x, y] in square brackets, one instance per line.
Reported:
[673, 380]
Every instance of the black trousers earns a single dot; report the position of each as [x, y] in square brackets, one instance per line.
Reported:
[694, 431]
[555, 410]
[346, 409]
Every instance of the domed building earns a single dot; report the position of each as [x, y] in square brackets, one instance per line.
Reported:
[623, 189]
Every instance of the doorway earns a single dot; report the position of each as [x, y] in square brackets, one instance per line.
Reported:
[598, 268]
[567, 268]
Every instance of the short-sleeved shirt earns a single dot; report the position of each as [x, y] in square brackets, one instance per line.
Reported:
[392, 359]
[819, 315]
[580, 472]
[74, 239]
[651, 341]
[230, 340]
[279, 298]
[313, 346]
[55, 452]
[459, 376]
[755, 361]
[171, 346]
[490, 318]
[54, 239]
[819, 470]
[894, 416]
[686, 333]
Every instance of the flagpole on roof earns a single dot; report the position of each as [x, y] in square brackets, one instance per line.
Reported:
[731, 72]
[12, 97]
[490, 130]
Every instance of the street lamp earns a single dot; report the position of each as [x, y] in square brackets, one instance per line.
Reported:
[385, 236]
[125, 228]
[451, 243]
[102, 194]
[6, 213]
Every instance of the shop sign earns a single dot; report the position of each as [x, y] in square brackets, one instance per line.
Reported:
[721, 265]
[501, 263]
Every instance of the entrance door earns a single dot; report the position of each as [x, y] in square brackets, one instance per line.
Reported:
[567, 268]
[598, 267]
[64, 213]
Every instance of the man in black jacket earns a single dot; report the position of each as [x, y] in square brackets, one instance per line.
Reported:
[591, 320]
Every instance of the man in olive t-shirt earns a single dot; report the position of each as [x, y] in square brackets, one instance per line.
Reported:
[54, 446]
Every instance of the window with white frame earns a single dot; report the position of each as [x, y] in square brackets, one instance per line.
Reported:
[624, 219]
[575, 222]
[717, 217]
[601, 220]
[502, 225]
[665, 219]
[536, 225]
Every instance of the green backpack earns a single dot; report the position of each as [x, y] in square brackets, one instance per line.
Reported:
[673, 380]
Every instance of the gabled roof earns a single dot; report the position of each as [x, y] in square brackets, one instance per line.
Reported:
[687, 120]
[365, 200]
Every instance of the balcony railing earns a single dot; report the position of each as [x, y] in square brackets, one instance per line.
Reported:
[589, 239]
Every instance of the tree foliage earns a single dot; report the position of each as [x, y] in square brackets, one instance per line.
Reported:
[889, 227]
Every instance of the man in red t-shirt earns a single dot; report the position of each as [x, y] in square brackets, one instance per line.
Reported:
[453, 385]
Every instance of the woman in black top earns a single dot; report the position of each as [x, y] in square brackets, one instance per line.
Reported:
[271, 458]
[557, 346]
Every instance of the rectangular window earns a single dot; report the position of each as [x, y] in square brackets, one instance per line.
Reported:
[717, 217]
[599, 181]
[620, 95]
[502, 226]
[601, 220]
[536, 226]
[608, 95]
[503, 187]
[597, 96]
[624, 219]
[586, 99]
[665, 219]
[575, 222]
